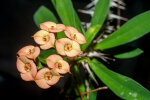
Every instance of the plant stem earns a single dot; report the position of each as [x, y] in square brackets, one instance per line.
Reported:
[100, 88]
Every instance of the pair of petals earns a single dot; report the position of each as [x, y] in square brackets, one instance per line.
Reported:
[45, 39]
[60, 47]
[42, 82]
[30, 73]
[73, 34]
[56, 61]
[30, 51]
[52, 27]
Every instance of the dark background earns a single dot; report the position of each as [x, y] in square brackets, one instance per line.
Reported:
[17, 27]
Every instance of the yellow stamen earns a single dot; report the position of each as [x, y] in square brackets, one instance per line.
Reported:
[48, 76]
[58, 65]
[27, 67]
[68, 47]
[46, 38]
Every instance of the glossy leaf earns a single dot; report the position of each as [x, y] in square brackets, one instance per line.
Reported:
[90, 35]
[130, 31]
[67, 14]
[100, 12]
[43, 14]
[129, 54]
[125, 87]
[44, 54]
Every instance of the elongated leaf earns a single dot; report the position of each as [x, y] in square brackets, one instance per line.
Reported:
[130, 31]
[67, 14]
[100, 12]
[53, 2]
[43, 14]
[90, 35]
[129, 54]
[44, 54]
[123, 86]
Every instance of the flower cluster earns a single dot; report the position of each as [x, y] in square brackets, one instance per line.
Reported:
[45, 38]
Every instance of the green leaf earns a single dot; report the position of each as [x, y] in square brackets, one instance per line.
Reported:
[130, 31]
[53, 2]
[122, 86]
[61, 35]
[129, 54]
[43, 14]
[44, 54]
[100, 12]
[67, 14]
[39, 65]
[90, 35]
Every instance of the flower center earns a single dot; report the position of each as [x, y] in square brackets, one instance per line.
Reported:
[73, 36]
[68, 47]
[27, 67]
[46, 38]
[52, 27]
[58, 65]
[31, 51]
[48, 76]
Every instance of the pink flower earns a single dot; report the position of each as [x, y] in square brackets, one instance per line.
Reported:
[27, 68]
[45, 39]
[29, 51]
[57, 63]
[73, 34]
[46, 77]
[65, 46]
[52, 27]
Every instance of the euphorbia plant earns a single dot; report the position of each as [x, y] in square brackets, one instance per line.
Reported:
[64, 46]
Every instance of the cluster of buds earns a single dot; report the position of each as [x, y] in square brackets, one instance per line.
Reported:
[45, 38]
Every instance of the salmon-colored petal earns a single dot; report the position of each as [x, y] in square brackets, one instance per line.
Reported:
[35, 54]
[38, 37]
[29, 51]
[69, 30]
[50, 64]
[60, 45]
[42, 84]
[20, 66]
[33, 69]
[52, 59]
[80, 38]
[59, 28]
[24, 51]
[50, 43]
[27, 76]
[40, 74]
[54, 80]
[47, 25]
[75, 50]
[65, 67]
